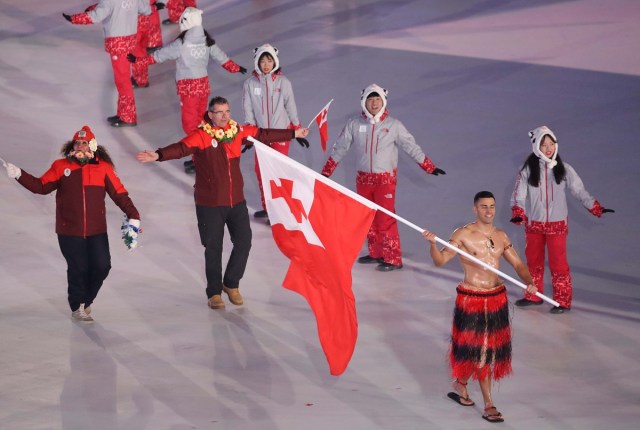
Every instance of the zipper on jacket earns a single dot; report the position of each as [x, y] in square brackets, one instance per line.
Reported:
[266, 98]
[373, 129]
[546, 189]
[84, 204]
[230, 180]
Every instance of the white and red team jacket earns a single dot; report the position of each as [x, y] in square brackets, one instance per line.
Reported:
[547, 203]
[119, 20]
[377, 146]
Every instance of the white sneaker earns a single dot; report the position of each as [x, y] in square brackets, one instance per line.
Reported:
[80, 315]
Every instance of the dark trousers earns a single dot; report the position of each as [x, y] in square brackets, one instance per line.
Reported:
[88, 264]
[211, 222]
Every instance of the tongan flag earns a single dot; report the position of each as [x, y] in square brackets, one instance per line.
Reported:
[320, 226]
[321, 120]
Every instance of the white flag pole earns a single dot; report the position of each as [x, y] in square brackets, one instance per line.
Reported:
[314, 118]
[4, 163]
[469, 256]
[372, 205]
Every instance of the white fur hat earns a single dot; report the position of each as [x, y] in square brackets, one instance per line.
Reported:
[265, 49]
[537, 136]
[374, 88]
[191, 17]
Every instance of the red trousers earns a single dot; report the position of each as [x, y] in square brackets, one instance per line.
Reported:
[192, 109]
[281, 147]
[558, 265]
[155, 33]
[383, 236]
[194, 97]
[176, 7]
[122, 77]
[140, 69]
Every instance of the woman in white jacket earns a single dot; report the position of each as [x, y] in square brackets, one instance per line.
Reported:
[542, 183]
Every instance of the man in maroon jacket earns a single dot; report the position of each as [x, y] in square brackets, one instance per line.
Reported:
[81, 180]
[216, 146]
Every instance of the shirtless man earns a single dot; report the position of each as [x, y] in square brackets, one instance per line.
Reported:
[481, 335]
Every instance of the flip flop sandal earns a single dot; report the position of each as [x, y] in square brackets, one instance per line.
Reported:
[458, 399]
[495, 417]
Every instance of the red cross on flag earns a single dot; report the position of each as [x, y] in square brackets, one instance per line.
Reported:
[321, 120]
[320, 226]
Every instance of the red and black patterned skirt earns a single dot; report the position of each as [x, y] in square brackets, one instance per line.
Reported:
[481, 335]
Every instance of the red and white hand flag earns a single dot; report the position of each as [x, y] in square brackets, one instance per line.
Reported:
[320, 226]
[321, 120]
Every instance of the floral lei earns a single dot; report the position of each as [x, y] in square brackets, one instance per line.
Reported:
[225, 135]
[84, 157]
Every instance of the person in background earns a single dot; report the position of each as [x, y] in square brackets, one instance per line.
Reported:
[175, 9]
[377, 137]
[191, 51]
[541, 186]
[148, 38]
[120, 22]
[268, 102]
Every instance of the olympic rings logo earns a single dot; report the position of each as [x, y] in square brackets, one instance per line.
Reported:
[127, 4]
[199, 52]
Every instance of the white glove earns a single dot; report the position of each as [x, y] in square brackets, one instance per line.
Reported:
[13, 172]
[130, 229]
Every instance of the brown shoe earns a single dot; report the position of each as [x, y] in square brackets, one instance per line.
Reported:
[234, 295]
[215, 302]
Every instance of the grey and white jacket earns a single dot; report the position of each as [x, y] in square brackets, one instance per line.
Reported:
[377, 144]
[119, 17]
[548, 201]
[191, 54]
[268, 101]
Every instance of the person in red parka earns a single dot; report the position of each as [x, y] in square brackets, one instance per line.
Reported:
[216, 146]
[81, 179]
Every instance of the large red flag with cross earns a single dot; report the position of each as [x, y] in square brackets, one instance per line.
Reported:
[320, 226]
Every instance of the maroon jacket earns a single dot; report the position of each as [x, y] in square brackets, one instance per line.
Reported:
[80, 195]
[218, 177]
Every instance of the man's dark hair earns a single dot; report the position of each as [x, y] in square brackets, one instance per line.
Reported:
[218, 101]
[483, 195]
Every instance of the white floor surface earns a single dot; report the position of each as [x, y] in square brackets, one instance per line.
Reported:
[468, 79]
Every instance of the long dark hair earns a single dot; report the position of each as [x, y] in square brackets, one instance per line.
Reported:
[533, 163]
[209, 40]
[101, 152]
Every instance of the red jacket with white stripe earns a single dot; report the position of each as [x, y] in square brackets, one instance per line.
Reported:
[80, 195]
